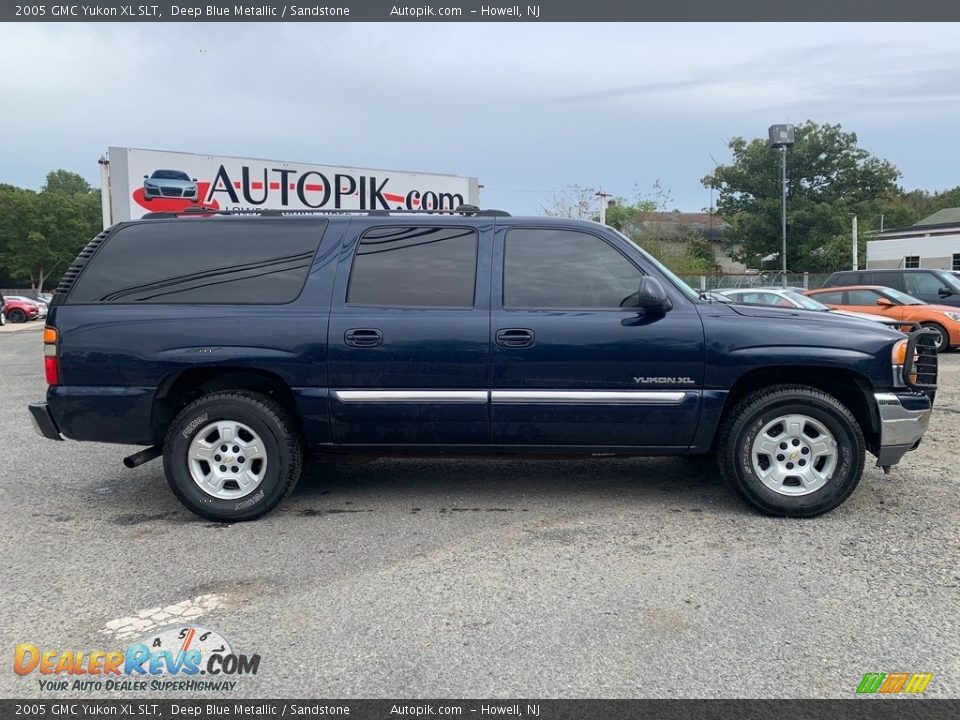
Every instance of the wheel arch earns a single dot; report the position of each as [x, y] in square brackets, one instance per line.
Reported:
[179, 389]
[851, 388]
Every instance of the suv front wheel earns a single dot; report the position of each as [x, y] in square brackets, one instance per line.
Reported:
[232, 456]
[791, 450]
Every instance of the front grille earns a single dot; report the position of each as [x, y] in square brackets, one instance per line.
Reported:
[171, 192]
[921, 360]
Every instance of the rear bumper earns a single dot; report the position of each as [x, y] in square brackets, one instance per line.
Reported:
[120, 415]
[43, 421]
[903, 420]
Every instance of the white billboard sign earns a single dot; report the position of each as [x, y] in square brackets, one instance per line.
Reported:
[143, 181]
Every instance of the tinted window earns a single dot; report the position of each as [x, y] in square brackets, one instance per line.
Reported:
[922, 283]
[202, 261]
[862, 297]
[563, 269]
[911, 261]
[830, 298]
[415, 267]
[843, 278]
[884, 279]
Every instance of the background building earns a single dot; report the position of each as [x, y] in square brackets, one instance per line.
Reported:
[933, 242]
[673, 229]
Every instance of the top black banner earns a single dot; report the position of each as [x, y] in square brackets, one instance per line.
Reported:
[453, 11]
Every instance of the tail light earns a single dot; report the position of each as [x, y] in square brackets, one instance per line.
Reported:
[51, 358]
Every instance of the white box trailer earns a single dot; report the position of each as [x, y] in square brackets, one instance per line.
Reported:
[135, 181]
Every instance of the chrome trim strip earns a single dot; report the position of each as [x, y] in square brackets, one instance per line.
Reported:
[590, 397]
[552, 397]
[409, 396]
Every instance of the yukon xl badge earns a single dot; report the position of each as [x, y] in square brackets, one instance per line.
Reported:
[663, 381]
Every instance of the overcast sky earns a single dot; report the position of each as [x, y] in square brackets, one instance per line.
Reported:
[526, 108]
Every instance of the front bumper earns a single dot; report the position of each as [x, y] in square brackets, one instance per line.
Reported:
[903, 420]
[43, 421]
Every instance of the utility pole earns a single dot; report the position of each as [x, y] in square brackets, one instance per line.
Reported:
[105, 210]
[603, 205]
[855, 253]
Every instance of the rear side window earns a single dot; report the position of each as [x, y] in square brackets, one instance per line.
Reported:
[862, 297]
[885, 279]
[426, 267]
[202, 261]
[830, 298]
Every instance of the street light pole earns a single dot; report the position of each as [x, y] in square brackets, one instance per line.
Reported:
[783, 210]
[781, 136]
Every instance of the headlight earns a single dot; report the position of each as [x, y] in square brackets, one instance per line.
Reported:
[899, 358]
[953, 316]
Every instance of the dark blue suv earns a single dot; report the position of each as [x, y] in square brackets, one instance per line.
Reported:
[233, 344]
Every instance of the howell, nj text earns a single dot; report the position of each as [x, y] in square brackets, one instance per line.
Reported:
[509, 11]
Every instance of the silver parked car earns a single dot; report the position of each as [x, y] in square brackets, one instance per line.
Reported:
[169, 184]
[789, 298]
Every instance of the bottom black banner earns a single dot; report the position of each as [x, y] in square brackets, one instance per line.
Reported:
[854, 709]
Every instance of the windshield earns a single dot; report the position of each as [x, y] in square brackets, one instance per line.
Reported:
[951, 281]
[690, 293]
[807, 303]
[170, 175]
[902, 297]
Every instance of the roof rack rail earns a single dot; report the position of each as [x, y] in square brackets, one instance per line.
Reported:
[471, 210]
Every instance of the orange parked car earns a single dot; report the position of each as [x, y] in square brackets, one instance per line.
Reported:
[879, 300]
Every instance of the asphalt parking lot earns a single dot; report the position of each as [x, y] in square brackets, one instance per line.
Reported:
[499, 578]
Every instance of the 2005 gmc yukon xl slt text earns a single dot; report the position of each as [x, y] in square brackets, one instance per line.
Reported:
[235, 344]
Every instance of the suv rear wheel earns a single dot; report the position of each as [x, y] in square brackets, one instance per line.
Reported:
[791, 450]
[232, 456]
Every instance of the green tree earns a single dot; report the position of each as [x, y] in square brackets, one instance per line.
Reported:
[41, 233]
[918, 204]
[829, 178]
[700, 251]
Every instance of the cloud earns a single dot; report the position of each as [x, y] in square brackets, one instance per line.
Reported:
[522, 106]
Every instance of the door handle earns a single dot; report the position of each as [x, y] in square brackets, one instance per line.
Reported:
[363, 337]
[515, 338]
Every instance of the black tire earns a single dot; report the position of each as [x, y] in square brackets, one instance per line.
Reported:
[270, 422]
[743, 424]
[943, 341]
[17, 316]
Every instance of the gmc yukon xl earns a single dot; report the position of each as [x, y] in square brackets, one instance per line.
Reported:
[233, 344]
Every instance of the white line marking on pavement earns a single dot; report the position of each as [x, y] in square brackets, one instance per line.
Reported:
[146, 620]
